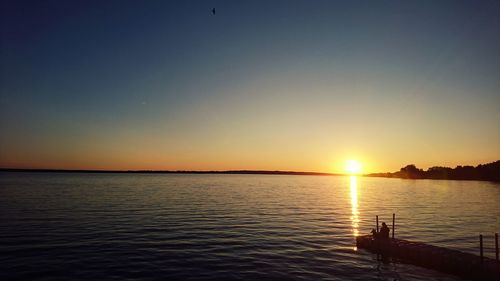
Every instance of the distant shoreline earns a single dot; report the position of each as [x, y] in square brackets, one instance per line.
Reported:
[483, 172]
[230, 172]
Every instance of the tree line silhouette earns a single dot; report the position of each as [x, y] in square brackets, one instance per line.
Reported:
[486, 172]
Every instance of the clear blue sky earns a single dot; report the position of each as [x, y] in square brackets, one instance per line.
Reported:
[291, 85]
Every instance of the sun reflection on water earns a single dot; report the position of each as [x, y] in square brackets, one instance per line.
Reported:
[354, 206]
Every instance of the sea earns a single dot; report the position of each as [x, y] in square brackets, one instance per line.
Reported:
[121, 226]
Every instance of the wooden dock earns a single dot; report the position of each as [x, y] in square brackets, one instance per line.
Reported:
[437, 258]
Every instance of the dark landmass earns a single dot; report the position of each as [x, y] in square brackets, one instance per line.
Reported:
[483, 172]
[241, 172]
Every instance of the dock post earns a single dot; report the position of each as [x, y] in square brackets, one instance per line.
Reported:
[496, 245]
[481, 247]
[377, 223]
[393, 219]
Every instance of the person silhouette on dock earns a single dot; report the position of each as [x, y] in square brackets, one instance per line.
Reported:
[384, 231]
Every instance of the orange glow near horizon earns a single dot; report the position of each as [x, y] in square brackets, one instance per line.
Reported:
[146, 152]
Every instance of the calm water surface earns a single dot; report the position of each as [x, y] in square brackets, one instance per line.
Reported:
[229, 227]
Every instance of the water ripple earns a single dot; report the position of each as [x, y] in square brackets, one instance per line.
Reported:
[228, 227]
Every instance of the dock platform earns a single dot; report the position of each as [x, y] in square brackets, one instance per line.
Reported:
[437, 258]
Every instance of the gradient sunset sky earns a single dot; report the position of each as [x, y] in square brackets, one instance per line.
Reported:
[272, 85]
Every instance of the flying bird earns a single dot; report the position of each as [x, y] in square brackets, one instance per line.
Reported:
[213, 11]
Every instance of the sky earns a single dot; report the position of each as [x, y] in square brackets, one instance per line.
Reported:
[268, 85]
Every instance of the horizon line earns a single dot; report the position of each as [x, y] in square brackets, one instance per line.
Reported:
[241, 171]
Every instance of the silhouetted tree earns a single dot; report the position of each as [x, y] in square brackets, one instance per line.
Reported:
[411, 172]
[438, 173]
[489, 172]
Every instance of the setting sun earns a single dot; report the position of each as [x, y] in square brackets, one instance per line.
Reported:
[353, 167]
